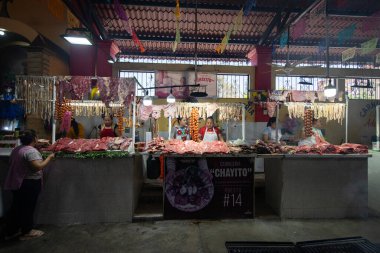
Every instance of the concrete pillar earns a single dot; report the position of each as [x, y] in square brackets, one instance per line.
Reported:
[261, 58]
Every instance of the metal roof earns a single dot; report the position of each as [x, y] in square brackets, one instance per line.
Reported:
[154, 24]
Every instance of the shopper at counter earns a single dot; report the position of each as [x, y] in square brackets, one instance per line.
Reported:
[108, 128]
[76, 130]
[181, 132]
[210, 132]
[269, 133]
[24, 180]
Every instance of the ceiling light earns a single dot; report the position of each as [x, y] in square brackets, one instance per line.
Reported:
[147, 100]
[330, 90]
[111, 61]
[170, 99]
[78, 36]
[2, 31]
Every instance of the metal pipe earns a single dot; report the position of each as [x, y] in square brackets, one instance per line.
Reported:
[134, 119]
[53, 125]
[377, 123]
[346, 139]
[170, 127]
[277, 114]
[243, 121]
[172, 86]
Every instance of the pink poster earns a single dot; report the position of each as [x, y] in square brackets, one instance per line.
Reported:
[170, 78]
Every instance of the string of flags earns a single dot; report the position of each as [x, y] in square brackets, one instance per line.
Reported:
[236, 25]
[127, 25]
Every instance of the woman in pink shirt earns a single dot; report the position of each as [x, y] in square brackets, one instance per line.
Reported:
[24, 180]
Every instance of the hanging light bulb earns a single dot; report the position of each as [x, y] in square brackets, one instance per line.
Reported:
[147, 100]
[330, 90]
[170, 99]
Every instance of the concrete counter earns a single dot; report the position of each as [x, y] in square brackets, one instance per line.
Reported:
[87, 191]
[318, 186]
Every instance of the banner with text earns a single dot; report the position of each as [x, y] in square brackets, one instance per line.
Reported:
[170, 78]
[208, 188]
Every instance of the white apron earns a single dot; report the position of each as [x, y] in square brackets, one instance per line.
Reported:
[210, 136]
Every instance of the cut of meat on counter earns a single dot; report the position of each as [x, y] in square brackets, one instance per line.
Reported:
[186, 147]
[87, 145]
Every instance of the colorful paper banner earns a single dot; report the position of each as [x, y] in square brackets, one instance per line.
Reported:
[127, 25]
[177, 14]
[248, 6]
[322, 46]
[299, 28]
[371, 22]
[284, 39]
[238, 22]
[222, 46]
[348, 54]
[368, 46]
[346, 34]
[378, 58]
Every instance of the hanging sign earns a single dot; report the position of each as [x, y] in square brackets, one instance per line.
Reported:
[348, 54]
[369, 46]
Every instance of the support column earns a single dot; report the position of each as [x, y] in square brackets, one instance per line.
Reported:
[82, 60]
[105, 51]
[261, 58]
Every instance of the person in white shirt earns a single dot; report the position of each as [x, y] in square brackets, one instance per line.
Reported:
[269, 133]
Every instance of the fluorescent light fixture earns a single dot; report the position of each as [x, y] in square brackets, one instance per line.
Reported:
[170, 99]
[147, 100]
[78, 36]
[330, 90]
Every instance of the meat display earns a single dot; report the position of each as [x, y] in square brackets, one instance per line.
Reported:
[87, 145]
[159, 145]
[186, 147]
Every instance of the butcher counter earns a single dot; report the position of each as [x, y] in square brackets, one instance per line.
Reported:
[209, 186]
[317, 186]
[90, 190]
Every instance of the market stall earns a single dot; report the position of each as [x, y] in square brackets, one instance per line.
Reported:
[91, 180]
[92, 190]
[317, 186]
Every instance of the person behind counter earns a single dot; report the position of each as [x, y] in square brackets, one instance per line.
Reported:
[182, 132]
[317, 136]
[24, 180]
[108, 128]
[269, 133]
[76, 130]
[209, 132]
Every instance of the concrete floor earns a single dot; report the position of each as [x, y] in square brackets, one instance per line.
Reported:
[202, 236]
